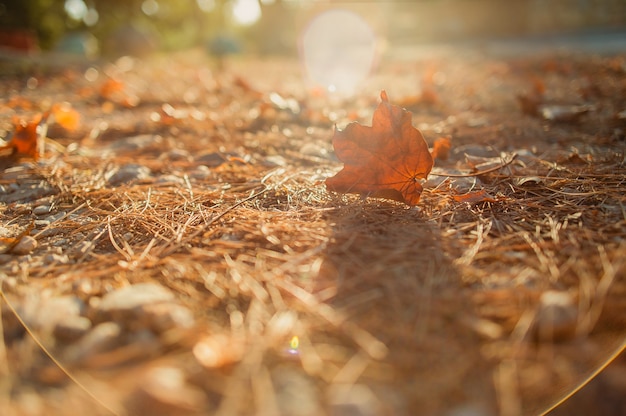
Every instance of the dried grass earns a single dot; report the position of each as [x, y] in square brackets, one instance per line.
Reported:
[430, 308]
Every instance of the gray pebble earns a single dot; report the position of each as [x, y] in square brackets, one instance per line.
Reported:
[44, 314]
[128, 173]
[200, 172]
[170, 179]
[354, 400]
[72, 328]
[165, 316]
[164, 390]
[41, 210]
[557, 317]
[25, 246]
[5, 258]
[129, 303]
[54, 258]
[102, 337]
[130, 297]
[296, 393]
[178, 154]
[55, 217]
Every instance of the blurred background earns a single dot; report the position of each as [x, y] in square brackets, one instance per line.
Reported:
[115, 27]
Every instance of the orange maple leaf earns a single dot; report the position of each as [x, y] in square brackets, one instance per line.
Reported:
[441, 148]
[474, 197]
[25, 139]
[66, 116]
[386, 160]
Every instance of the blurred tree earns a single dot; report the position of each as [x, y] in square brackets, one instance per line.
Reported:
[44, 18]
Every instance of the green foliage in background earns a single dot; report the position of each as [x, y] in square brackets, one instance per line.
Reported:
[176, 24]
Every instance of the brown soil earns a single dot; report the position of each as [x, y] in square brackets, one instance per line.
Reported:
[210, 182]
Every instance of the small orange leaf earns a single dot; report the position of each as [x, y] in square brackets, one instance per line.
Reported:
[25, 137]
[385, 160]
[66, 116]
[429, 96]
[529, 104]
[111, 88]
[441, 148]
[474, 197]
[8, 243]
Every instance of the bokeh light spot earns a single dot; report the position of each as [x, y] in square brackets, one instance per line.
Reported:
[338, 50]
[206, 5]
[150, 7]
[246, 12]
[76, 9]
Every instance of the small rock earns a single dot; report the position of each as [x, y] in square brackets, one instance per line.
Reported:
[354, 400]
[43, 314]
[313, 149]
[477, 122]
[41, 210]
[49, 232]
[131, 297]
[8, 284]
[28, 193]
[179, 154]
[557, 317]
[52, 311]
[165, 391]
[170, 179]
[211, 160]
[296, 393]
[217, 350]
[26, 245]
[164, 316]
[469, 409]
[85, 288]
[129, 303]
[128, 173]
[54, 258]
[201, 172]
[5, 258]
[134, 143]
[55, 217]
[564, 113]
[102, 337]
[71, 329]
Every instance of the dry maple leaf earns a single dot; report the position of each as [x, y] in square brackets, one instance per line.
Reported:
[25, 140]
[474, 197]
[441, 148]
[66, 116]
[385, 160]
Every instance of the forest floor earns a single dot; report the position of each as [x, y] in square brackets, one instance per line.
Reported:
[175, 250]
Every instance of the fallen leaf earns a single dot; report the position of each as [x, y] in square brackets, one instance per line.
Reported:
[564, 113]
[66, 116]
[385, 160]
[529, 104]
[218, 350]
[474, 197]
[112, 89]
[441, 148]
[19, 102]
[539, 87]
[9, 243]
[25, 138]
[427, 97]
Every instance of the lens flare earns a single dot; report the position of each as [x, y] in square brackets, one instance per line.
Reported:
[338, 50]
[246, 12]
[294, 343]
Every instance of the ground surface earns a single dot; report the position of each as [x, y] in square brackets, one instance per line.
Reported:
[189, 260]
